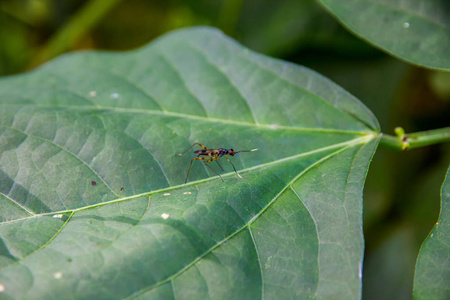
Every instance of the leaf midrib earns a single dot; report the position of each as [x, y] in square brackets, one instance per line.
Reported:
[342, 145]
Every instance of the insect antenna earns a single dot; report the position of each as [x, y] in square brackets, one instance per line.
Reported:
[246, 150]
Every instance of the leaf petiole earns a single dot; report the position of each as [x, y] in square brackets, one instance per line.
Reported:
[405, 141]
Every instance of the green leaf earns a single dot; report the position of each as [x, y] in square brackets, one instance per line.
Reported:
[93, 202]
[416, 31]
[433, 263]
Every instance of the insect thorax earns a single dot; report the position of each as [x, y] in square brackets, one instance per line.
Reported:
[221, 152]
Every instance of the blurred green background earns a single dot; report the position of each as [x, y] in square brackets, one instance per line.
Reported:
[402, 194]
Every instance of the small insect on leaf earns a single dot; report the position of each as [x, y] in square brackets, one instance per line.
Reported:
[212, 155]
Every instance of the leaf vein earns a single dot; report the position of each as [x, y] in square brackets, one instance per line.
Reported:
[135, 85]
[225, 75]
[317, 235]
[70, 153]
[30, 212]
[189, 91]
[259, 261]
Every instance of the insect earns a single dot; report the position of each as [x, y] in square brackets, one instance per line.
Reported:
[212, 155]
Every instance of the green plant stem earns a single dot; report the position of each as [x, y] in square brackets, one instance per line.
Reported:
[80, 23]
[415, 140]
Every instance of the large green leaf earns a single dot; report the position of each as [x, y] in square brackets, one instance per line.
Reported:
[433, 264]
[417, 31]
[93, 201]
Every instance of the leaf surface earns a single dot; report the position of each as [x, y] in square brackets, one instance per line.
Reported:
[92, 197]
[417, 31]
[433, 263]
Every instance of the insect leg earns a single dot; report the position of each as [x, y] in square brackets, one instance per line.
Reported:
[187, 175]
[213, 170]
[179, 154]
[209, 158]
[219, 165]
[226, 156]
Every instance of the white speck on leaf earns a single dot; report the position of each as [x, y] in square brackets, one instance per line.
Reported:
[166, 194]
[92, 93]
[59, 216]
[58, 275]
[115, 95]
[2, 288]
[187, 193]
[164, 216]
[406, 25]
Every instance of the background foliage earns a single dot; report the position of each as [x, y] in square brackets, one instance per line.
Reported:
[401, 200]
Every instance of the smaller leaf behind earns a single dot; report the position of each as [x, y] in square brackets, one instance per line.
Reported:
[415, 30]
[432, 275]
